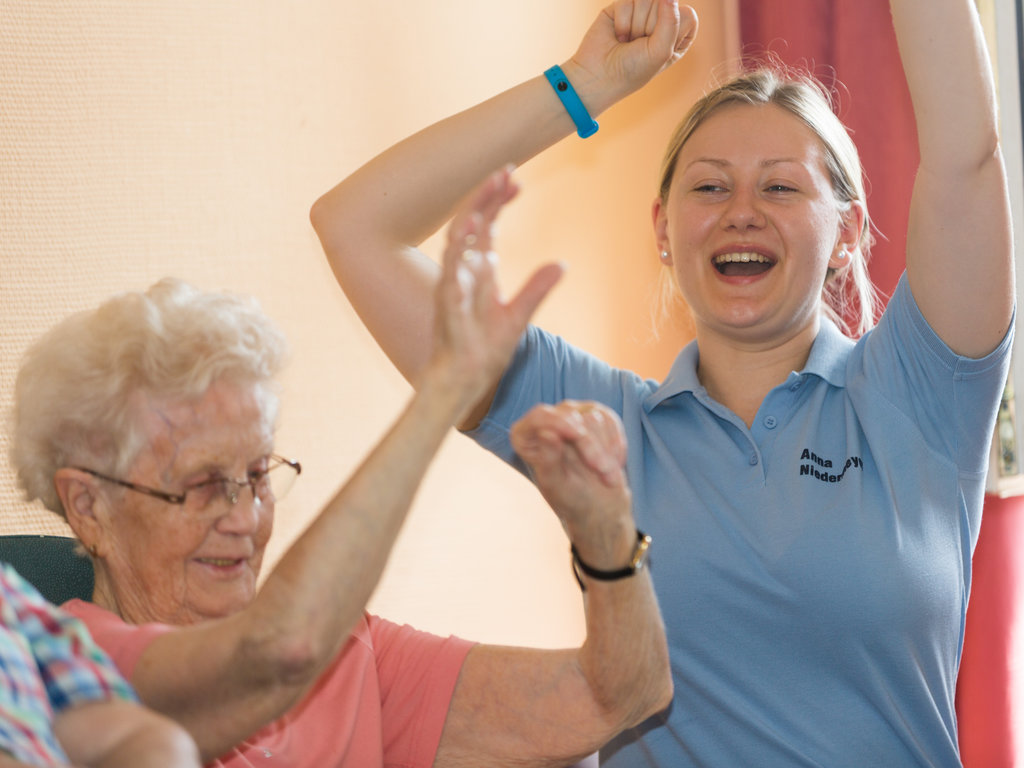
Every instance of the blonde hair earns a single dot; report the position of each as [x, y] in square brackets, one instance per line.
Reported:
[846, 292]
[78, 386]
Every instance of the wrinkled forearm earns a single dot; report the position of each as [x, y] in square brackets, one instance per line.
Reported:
[625, 656]
[519, 706]
[350, 541]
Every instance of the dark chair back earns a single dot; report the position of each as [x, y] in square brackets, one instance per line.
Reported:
[50, 564]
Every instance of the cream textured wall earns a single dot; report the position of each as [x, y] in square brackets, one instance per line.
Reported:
[189, 138]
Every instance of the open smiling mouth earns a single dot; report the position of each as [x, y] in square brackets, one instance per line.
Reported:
[745, 264]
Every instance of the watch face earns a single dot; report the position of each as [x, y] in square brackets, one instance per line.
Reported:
[643, 548]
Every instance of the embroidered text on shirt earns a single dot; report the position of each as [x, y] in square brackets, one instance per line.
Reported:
[817, 467]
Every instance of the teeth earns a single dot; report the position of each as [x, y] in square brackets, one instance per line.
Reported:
[727, 258]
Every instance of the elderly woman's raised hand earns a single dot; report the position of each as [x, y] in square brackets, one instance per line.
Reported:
[476, 330]
[577, 454]
[630, 42]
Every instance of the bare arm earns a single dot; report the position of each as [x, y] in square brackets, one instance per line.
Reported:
[6, 761]
[122, 734]
[517, 706]
[959, 256]
[371, 223]
[225, 679]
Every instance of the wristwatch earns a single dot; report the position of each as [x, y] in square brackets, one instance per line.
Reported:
[636, 562]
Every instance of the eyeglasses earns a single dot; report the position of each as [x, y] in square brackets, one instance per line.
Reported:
[270, 483]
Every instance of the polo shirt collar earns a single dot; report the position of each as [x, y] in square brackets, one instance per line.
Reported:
[827, 360]
[829, 354]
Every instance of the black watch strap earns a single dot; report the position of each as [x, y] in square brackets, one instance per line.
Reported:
[636, 562]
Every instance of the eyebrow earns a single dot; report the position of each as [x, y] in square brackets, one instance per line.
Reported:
[722, 163]
[216, 467]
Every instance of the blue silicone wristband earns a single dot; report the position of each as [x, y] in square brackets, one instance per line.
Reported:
[585, 124]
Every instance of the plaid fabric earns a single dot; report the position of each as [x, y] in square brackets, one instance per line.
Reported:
[48, 662]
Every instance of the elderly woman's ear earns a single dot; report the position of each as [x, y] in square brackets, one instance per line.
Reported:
[79, 496]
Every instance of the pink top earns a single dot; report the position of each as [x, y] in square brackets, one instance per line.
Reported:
[382, 702]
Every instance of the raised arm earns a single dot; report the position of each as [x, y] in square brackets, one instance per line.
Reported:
[371, 223]
[517, 706]
[225, 679]
[959, 253]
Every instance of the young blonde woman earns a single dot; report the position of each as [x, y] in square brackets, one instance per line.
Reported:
[816, 499]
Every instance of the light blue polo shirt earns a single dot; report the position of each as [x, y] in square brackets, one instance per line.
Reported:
[813, 570]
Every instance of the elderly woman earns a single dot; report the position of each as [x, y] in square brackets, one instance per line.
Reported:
[149, 424]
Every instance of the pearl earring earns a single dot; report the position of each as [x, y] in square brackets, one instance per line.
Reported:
[664, 257]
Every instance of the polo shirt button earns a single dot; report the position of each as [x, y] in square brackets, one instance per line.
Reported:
[753, 459]
[770, 422]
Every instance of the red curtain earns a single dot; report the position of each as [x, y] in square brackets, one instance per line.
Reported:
[852, 41]
[990, 684]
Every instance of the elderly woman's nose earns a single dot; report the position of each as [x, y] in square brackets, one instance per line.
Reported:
[243, 515]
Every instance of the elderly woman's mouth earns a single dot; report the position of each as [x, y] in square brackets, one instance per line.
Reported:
[220, 562]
